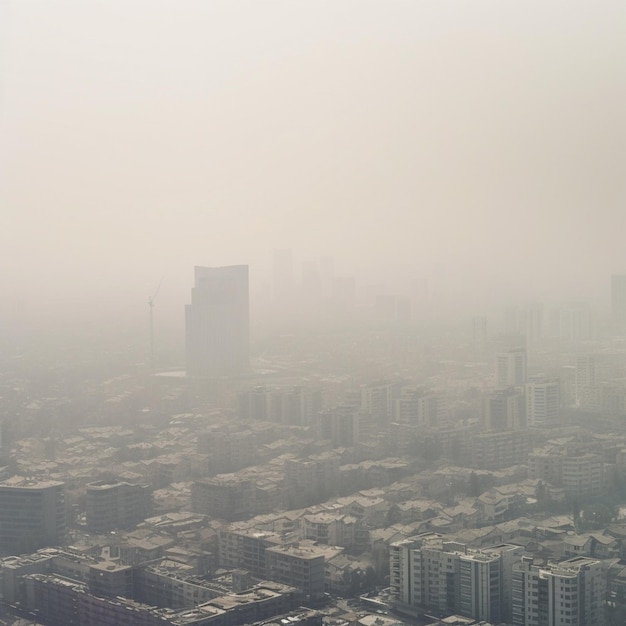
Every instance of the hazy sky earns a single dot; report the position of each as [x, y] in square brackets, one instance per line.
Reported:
[140, 138]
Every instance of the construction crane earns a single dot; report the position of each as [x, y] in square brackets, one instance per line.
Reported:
[151, 301]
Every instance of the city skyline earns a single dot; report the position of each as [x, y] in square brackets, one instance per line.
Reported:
[385, 138]
[313, 313]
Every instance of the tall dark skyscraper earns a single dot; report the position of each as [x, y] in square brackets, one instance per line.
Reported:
[217, 322]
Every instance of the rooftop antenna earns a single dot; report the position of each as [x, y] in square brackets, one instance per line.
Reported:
[151, 301]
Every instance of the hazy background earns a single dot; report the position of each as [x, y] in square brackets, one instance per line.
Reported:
[481, 140]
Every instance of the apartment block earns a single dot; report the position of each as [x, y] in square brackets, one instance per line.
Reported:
[558, 594]
[226, 496]
[32, 515]
[114, 504]
[496, 450]
[445, 576]
[299, 564]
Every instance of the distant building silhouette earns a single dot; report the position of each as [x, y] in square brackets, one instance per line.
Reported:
[511, 368]
[479, 333]
[217, 322]
[526, 321]
[283, 275]
[618, 299]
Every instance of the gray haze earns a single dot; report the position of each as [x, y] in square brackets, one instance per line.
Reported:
[483, 140]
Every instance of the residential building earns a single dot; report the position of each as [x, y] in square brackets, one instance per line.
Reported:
[583, 475]
[445, 576]
[296, 406]
[511, 368]
[543, 402]
[504, 409]
[558, 594]
[226, 496]
[339, 425]
[496, 450]
[301, 565]
[587, 381]
[32, 515]
[421, 408]
[115, 504]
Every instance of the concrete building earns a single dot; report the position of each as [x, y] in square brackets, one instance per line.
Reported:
[115, 504]
[332, 529]
[301, 565]
[339, 425]
[505, 409]
[579, 472]
[543, 402]
[496, 450]
[583, 476]
[558, 594]
[217, 322]
[226, 496]
[378, 399]
[32, 515]
[421, 408]
[110, 579]
[311, 480]
[511, 368]
[228, 451]
[587, 381]
[444, 576]
[296, 406]
[246, 549]
[59, 588]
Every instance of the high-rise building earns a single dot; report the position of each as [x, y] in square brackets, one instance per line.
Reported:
[217, 322]
[557, 594]
[32, 515]
[504, 410]
[420, 407]
[618, 299]
[511, 368]
[573, 322]
[588, 376]
[339, 425]
[543, 402]
[446, 576]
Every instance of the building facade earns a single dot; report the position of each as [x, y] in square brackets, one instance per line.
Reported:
[32, 515]
[116, 504]
[558, 594]
[445, 576]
